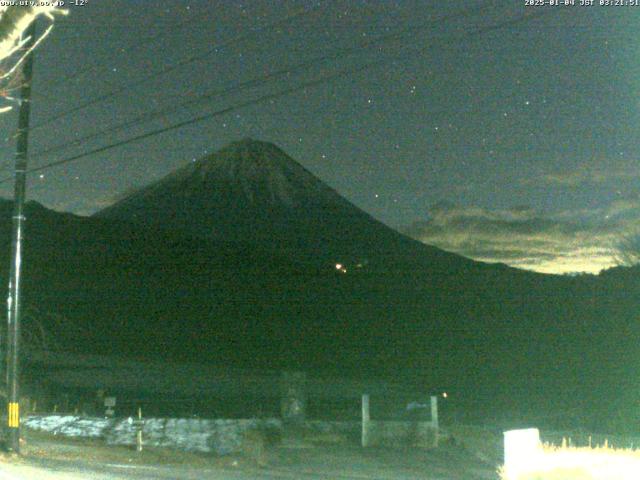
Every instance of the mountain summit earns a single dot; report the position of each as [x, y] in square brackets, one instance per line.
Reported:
[252, 191]
[245, 182]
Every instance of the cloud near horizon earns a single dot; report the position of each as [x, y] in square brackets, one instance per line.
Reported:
[585, 176]
[565, 242]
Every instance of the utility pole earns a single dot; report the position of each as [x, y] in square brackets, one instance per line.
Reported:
[13, 300]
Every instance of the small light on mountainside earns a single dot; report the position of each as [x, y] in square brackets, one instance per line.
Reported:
[338, 266]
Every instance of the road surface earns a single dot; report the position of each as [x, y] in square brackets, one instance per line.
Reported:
[47, 457]
[359, 469]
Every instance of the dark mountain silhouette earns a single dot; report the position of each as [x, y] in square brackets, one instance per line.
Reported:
[253, 192]
[248, 190]
[231, 261]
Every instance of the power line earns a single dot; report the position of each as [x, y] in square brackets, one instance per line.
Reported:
[200, 118]
[133, 47]
[155, 75]
[264, 98]
[201, 56]
[255, 82]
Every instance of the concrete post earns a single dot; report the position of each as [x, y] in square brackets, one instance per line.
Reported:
[434, 419]
[434, 411]
[366, 420]
[139, 426]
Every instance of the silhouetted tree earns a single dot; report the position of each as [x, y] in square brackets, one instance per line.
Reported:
[627, 250]
[14, 21]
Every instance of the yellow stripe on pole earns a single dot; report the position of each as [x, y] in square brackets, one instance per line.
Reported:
[14, 415]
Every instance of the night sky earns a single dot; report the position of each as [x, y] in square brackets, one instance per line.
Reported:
[516, 144]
